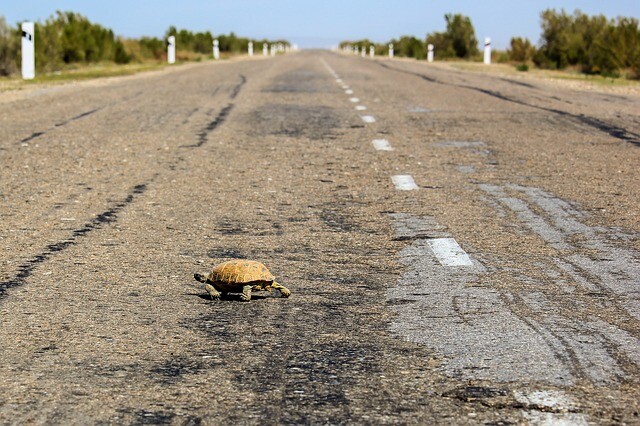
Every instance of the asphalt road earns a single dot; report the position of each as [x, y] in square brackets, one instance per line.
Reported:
[461, 248]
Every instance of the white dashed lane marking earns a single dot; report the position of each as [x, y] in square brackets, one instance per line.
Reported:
[404, 182]
[354, 100]
[349, 92]
[368, 118]
[328, 67]
[382, 145]
[448, 252]
[360, 107]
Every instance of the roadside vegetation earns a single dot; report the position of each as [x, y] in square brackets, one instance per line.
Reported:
[593, 45]
[69, 41]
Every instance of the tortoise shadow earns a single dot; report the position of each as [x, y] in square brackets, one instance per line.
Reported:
[229, 297]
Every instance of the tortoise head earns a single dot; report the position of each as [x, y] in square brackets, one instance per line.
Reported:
[200, 277]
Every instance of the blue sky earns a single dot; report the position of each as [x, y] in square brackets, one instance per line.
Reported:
[317, 23]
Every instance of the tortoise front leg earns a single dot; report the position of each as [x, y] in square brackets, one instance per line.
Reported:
[283, 290]
[215, 294]
[246, 293]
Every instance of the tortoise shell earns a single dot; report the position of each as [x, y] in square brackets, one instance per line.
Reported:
[240, 271]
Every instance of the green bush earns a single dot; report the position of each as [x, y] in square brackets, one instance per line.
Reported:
[409, 47]
[462, 35]
[595, 44]
[201, 42]
[68, 38]
[121, 56]
[442, 45]
[459, 39]
[635, 64]
[500, 56]
[521, 50]
[9, 40]
[147, 48]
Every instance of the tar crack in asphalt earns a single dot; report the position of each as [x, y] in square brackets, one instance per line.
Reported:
[108, 216]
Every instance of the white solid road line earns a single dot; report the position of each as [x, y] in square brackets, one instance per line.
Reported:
[449, 253]
[360, 107]
[404, 182]
[368, 118]
[382, 145]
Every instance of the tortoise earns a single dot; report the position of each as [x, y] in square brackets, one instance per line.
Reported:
[240, 275]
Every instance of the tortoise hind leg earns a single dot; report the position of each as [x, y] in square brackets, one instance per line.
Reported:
[283, 290]
[246, 293]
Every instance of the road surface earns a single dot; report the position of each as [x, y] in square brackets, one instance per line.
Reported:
[461, 248]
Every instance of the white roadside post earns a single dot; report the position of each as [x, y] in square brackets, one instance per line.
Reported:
[355, 50]
[28, 51]
[430, 53]
[272, 50]
[171, 50]
[265, 49]
[391, 50]
[216, 49]
[250, 48]
[364, 52]
[487, 51]
[372, 52]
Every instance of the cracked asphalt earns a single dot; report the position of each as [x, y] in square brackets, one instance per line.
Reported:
[114, 193]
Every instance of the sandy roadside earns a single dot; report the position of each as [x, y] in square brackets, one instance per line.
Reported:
[14, 90]
[560, 79]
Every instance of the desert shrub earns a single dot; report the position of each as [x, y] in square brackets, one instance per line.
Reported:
[595, 44]
[521, 50]
[458, 40]
[410, 47]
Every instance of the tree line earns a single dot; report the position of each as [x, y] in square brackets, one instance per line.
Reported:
[592, 44]
[202, 42]
[457, 41]
[70, 38]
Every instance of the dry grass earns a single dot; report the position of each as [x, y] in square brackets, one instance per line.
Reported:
[78, 73]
